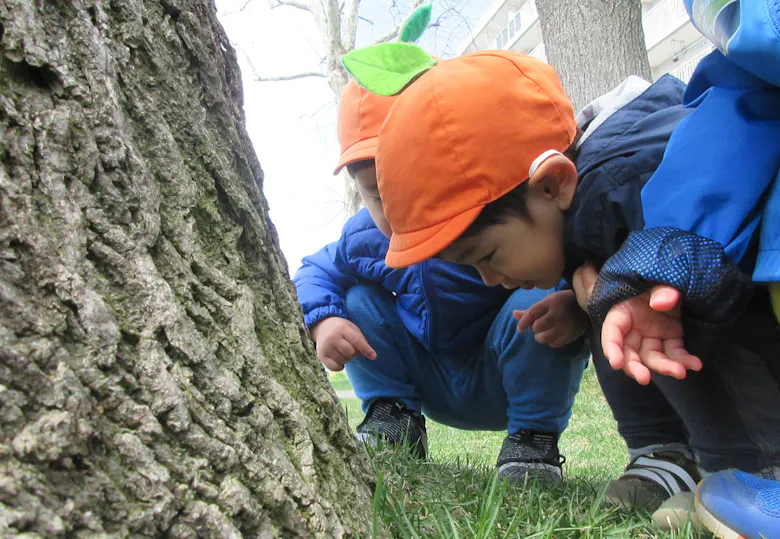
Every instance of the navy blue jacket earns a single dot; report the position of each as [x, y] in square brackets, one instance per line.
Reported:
[614, 219]
[445, 306]
[614, 164]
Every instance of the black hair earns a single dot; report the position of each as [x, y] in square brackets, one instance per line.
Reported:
[356, 166]
[512, 204]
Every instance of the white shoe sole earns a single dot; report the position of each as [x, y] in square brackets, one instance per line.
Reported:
[677, 512]
[714, 525]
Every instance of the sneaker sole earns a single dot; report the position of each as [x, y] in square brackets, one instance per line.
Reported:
[714, 525]
[519, 472]
[677, 512]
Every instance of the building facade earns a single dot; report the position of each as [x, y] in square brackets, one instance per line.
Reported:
[673, 44]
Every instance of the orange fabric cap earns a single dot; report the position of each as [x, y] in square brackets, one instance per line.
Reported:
[461, 136]
[361, 114]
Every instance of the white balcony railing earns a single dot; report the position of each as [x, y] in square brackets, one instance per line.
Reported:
[662, 19]
[685, 71]
[519, 24]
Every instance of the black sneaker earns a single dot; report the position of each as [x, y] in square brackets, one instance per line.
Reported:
[652, 479]
[391, 421]
[532, 455]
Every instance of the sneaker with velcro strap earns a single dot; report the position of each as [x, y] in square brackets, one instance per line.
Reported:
[651, 479]
[392, 422]
[531, 456]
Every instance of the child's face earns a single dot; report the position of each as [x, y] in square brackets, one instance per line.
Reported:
[519, 252]
[366, 183]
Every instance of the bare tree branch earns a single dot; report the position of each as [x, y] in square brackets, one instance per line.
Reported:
[242, 8]
[256, 76]
[391, 35]
[299, 4]
[349, 11]
[282, 78]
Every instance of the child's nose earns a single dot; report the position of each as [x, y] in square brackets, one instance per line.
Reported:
[490, 277]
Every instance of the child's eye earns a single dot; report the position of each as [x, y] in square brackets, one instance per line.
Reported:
[487, 258]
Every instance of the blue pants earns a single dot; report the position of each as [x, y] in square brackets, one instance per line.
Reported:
[510, 383]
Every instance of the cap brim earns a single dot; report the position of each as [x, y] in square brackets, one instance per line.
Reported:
[413, 247]
[360, 151]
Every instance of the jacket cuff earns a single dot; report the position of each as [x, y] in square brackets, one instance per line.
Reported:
[714, 290]
[321, 313]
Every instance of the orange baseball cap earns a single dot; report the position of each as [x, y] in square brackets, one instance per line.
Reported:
[361, 114]
[463, 135]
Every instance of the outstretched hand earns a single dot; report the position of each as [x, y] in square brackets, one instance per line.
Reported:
[642, 334]
[645, 334]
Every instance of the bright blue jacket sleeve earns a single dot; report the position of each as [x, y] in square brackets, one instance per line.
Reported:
[720, 161]
[768, 261]
[324, 278]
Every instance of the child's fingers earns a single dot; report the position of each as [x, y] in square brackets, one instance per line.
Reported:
[675, 350]
[360, 344]
[562, 340]
[545, 337]
[345, 348]
[525, 321]
[518, 314]
[616, 325]
[657, 361]
[544, 323]
[664, 298]
[531, 315]
[331, 365]
[614, 354]
[638, 372]
[583, 282]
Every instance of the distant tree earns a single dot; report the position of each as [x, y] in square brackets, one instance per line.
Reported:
[593, 44]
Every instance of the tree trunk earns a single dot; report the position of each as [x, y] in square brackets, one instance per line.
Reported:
[593, 44]
[155, 375]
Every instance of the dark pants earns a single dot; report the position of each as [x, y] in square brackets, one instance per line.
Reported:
[728, 413]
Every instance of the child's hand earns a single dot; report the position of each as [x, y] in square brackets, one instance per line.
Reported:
[645, 334]
[556, 320]
[583, 282]
[339, 341]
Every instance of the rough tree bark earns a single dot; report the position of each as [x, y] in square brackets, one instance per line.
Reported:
[593, 44]
[155, 375]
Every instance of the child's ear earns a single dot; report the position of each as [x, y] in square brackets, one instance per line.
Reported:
[556, 180]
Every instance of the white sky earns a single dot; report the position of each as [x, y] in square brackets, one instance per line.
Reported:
[292, 124]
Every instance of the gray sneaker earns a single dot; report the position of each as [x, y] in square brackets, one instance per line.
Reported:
[651, 479]
[392, 422]
[531, 455]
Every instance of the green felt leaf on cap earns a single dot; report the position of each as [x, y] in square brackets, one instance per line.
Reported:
[387, 68]
[415, 24]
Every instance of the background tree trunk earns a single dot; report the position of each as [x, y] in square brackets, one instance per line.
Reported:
[155, 374]
[593, 44]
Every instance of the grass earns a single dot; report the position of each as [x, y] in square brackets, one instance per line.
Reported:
[339, 381]
[455, 494]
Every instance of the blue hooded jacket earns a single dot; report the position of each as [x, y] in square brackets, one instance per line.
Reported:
[445, 306]
[667, 196]
[729, 148]
[607, 223]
